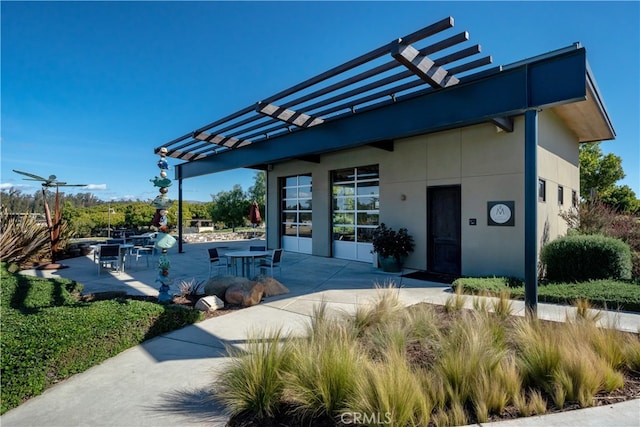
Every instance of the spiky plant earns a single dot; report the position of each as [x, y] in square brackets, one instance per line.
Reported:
[22, 239]
[190, 288]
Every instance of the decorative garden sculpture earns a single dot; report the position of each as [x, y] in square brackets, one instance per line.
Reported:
[164, 241]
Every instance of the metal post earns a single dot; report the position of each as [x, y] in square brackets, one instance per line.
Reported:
[180, 215]
[109, 222]
[531, 212]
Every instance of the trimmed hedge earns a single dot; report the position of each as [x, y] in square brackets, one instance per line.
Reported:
[48, 335]
[586, 257]
[609, 294]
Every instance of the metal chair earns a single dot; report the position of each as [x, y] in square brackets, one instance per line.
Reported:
[142, 251]
[215, 260]
[108, 255]
[273, 261]
[257, 249]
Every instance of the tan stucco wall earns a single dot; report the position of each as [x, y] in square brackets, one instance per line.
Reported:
[486, 163]
[558, 164]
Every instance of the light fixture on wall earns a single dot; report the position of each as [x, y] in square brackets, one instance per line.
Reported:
[403, 197]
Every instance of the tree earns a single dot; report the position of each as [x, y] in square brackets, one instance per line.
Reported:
[258, 191]
[598, 176]
[138, 214]
[623, 199]
[230, 207]
[201, 210]
[598, 172]
[15, 202]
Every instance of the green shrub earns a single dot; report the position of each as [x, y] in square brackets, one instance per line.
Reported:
[586, 257]
[47, 335]
[611, 294]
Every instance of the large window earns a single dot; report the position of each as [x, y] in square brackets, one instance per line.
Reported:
[296, 206]
[356, 203]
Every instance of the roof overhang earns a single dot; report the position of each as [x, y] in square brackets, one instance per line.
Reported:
[560, 80]
[588, 119]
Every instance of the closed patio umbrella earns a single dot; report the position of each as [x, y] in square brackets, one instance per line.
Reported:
[254, 214]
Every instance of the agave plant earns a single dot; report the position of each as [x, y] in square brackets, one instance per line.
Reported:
[190, 287]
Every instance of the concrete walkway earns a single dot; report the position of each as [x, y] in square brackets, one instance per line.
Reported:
[166, 381]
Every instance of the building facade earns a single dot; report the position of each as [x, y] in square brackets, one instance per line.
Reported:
[440, 186]
[476, 165]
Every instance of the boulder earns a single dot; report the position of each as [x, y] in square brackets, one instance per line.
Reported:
[271, 286]
[210, 303]
[244, 294]
[218, 285]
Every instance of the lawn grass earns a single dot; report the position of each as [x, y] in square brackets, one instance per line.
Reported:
[428, 365]
[612, 294]
[48, 335]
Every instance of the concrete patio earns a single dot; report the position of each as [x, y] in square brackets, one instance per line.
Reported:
[166, 380]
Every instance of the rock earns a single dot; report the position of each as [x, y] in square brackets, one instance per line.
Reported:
[244, 294]
[271, 286]
[218, 285]
[210, 303]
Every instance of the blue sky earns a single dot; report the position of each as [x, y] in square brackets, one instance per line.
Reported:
[90, 88]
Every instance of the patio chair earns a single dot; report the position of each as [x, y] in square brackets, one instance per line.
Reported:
[215, 260]
[256, 249]
[108, 255]
[142, 251]
[273, 261]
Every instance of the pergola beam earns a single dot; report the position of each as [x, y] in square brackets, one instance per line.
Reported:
[422, 66]
[224, 141]
[288, 116]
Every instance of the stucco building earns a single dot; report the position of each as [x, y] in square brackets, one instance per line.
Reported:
[476, 161]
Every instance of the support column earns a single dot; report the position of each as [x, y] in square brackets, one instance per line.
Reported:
[531, 212]
[180, 215]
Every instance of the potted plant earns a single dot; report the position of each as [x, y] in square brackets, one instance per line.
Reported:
[392, 247]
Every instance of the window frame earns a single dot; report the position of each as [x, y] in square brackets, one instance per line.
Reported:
[356, 180]
[299, 211]
[542, 190]
[560, 195]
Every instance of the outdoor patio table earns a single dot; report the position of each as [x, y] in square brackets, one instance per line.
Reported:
[246, 258]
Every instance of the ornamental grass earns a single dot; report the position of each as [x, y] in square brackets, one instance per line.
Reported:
[428, 365]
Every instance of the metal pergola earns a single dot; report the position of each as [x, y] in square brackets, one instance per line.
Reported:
[368, 81]
[373, 100]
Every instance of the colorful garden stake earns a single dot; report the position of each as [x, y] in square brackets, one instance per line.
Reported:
[164, 241]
